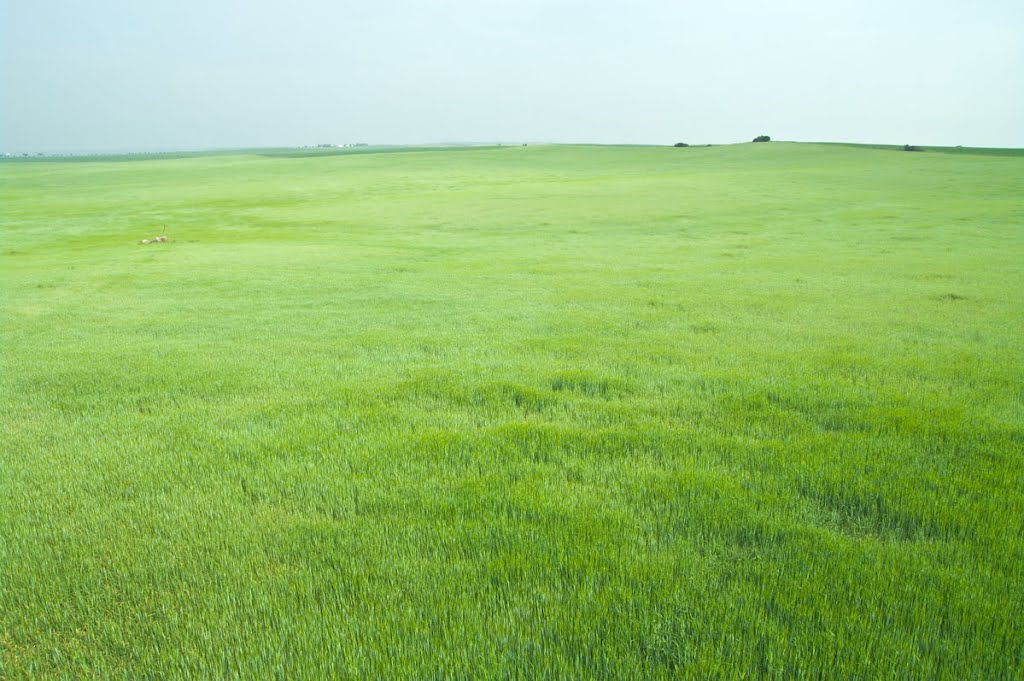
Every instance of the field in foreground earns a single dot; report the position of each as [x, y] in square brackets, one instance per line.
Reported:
[530, 412]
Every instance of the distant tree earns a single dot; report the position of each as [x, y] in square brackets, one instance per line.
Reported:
[681, 144]
[910, 147]
[762, 138]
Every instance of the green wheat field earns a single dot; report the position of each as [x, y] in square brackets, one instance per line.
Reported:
[748, 411]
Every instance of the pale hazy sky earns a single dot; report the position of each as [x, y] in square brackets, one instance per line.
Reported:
[94, 75]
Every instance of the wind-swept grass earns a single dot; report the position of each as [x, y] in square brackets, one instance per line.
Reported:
[531, 412]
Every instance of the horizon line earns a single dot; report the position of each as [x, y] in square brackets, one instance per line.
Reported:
[361, 146]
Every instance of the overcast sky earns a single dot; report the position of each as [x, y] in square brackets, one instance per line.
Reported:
[119, 75]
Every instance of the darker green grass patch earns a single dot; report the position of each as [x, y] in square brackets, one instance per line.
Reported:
[705, 328]
[508, 397]
[859, 511]
[587, 384]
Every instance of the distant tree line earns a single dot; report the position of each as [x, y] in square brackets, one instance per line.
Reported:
[759, 138]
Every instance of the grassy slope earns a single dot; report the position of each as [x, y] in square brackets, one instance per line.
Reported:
[535, 411]
[971, 151]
